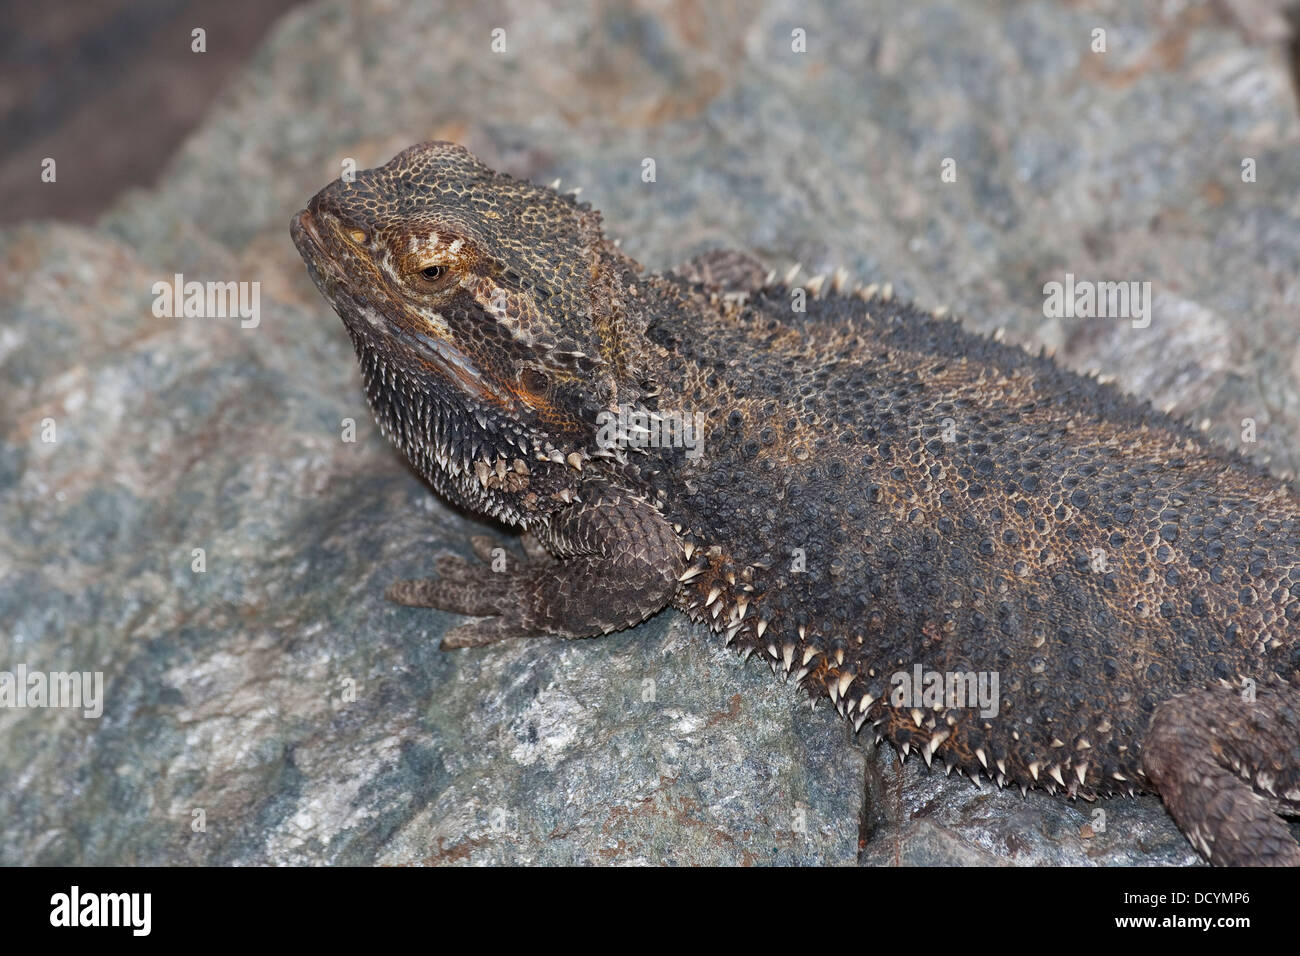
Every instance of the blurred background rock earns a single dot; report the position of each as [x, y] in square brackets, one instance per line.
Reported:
[110, 88]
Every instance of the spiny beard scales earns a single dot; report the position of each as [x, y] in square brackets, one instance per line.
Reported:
[442, 439]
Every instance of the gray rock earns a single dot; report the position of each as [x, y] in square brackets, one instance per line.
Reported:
[310, 721]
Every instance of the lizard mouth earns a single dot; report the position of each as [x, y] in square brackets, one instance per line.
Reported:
[312, 247]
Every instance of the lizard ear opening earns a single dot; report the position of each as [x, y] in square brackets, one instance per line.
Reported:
[534, 380]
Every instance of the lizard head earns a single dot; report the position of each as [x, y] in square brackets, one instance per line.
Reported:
[473, 298]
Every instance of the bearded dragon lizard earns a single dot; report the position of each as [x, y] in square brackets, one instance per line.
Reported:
[853, 491]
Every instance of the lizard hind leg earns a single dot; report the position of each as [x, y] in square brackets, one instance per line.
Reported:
[1225, 767]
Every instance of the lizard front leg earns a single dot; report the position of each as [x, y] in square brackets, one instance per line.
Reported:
[612, 560]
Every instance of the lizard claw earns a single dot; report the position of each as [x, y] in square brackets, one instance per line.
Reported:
[485, 630]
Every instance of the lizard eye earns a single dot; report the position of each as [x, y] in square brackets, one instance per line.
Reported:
[433, 278]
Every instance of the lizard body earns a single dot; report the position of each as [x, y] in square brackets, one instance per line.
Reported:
[872, 490]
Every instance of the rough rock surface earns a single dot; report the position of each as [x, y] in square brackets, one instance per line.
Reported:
[230, 691]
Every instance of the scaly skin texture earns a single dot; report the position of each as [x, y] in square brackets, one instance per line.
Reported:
[874, 489]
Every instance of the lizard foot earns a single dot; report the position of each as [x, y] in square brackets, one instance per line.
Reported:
[476, 588]
[621, 564]
[467, 587]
